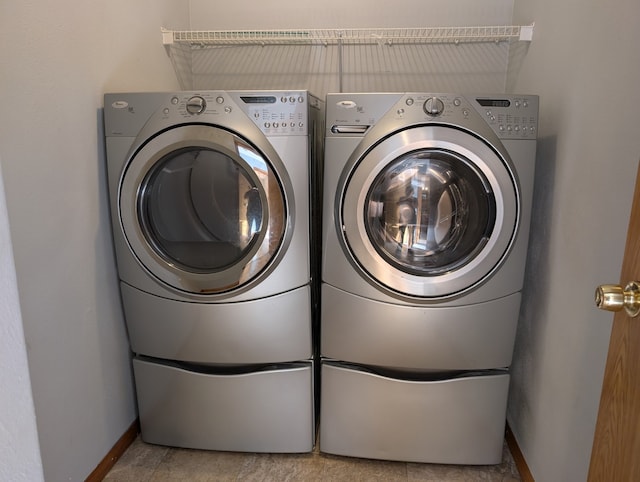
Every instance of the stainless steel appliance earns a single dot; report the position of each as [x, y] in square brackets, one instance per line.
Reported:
[427, 203]
[210, 203]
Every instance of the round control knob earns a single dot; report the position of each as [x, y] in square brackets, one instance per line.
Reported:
[196, 105]
[433, 106]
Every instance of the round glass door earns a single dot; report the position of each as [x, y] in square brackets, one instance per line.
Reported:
[429, 212]
[203, 210]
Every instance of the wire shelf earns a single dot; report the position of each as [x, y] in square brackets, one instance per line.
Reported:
[338, 60]
[381, 36]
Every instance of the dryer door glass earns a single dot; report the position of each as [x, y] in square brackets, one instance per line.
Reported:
[203, 210]
[429, 212]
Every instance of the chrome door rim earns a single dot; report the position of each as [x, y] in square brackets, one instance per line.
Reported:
[355, 185]
[250, 268]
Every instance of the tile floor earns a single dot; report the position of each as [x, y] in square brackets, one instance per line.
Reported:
[151, 463]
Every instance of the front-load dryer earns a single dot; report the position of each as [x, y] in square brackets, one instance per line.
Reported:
[210, 204]
[427, 205]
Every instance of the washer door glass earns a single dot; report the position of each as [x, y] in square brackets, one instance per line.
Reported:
[203, 210]
[429, 212]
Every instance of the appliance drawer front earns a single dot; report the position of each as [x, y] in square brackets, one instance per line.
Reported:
[262, 411]
[448, 421]
[471, 337]
[268, 330]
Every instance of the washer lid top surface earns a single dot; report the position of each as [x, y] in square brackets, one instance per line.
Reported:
[203, 210]
[429, 212]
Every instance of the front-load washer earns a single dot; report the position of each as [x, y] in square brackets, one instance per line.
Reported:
[210, 203]
[427, 204]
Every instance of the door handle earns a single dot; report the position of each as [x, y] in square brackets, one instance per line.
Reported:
[615, 298]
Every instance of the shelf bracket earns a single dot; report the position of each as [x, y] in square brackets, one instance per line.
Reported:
[526, 33]
[167, 40]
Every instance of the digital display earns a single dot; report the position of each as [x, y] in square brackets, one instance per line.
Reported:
[494, 102]
[259, 99]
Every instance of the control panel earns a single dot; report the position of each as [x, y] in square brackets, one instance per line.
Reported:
[509, 116]
[275, 113]
[278, 113]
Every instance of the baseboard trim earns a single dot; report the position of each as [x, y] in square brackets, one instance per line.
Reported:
[521, 463]
[107, 463]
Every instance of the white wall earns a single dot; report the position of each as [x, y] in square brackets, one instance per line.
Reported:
[58, 58]
[291, 14]
[583, 62]
[19, 452]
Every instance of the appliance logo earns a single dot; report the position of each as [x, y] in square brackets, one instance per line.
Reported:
[120, 104]
[346, 104]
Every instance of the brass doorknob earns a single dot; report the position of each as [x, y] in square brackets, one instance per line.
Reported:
[615, 298]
